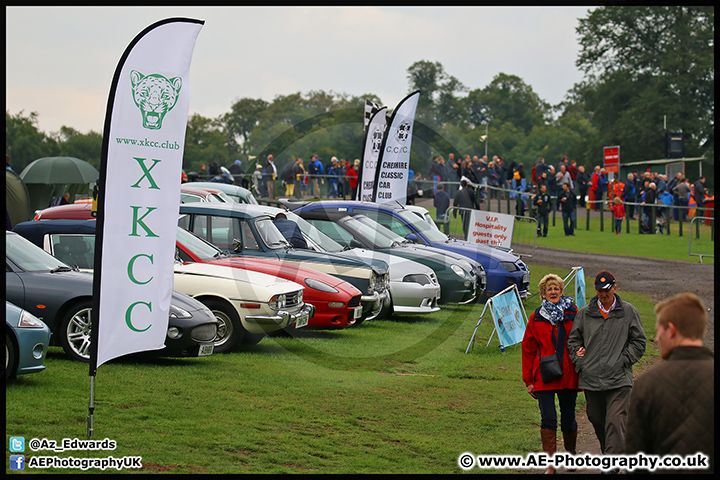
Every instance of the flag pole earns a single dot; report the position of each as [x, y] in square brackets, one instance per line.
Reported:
[91, 408]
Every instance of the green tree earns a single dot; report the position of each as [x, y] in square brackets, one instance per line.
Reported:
[507, 99]
[85, 146]
[662, 58]
[243, 117]
[205, 142]
[24, 143]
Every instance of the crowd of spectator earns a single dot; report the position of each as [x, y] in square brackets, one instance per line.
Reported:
[338, 178]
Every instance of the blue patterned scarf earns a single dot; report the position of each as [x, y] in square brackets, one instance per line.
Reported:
[555, 313]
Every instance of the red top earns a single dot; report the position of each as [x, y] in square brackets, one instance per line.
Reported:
[618, 210]
[538, 342]
[352, 181]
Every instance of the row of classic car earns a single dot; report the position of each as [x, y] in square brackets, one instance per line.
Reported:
[356, 261]
[61, 296]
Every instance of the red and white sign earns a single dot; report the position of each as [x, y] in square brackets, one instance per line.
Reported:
[611, 157]
[490, 228]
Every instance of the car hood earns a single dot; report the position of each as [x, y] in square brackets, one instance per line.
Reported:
[337, 259]
[289, 271]
[254, 279]
[478, 252]
[399, 267]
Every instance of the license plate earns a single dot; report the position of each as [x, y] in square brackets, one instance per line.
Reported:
[205, 350]
[302, 321]
[357, 312]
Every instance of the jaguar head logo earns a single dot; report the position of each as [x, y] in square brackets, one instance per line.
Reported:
[154, 95]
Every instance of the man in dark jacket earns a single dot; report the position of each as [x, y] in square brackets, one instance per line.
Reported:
[672, 406]
[541, 201]
[699, 196]
[629, 195]
[290, 231]
[567, 201]
[583, 183]
[441, 202]
[607, 338]
[465, 198]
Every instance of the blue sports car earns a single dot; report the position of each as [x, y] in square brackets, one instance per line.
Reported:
[26, 342]
[502, 269]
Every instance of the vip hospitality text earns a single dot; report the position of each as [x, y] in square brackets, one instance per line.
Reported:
[38, 444]
[639, 461]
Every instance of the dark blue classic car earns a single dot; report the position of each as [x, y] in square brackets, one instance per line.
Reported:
[502, 269]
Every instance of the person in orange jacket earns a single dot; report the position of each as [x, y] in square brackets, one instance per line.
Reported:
[615, 189]
[546, 335]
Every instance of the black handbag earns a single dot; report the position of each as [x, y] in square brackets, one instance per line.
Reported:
[551, 365]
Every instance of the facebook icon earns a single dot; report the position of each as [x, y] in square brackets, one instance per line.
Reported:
[17, 462]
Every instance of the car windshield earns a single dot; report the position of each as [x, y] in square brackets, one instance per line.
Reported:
[320, 238]
[270, 234]
[198, 246]
[383, 234]
[372, 232]
[420, 224]
[29, 257]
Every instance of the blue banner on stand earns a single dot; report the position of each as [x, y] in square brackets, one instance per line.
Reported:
[508, 318]
[580, 288]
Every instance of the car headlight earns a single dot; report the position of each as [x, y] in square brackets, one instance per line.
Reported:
[28, 320]
[510, 266]
[318, 285]
[177, 312]
[204, 333]
[277, 302]
[173, 333]
[458, 270]
[466, 265]
[420, 278]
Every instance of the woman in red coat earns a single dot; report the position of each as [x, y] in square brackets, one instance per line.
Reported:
[547, 327]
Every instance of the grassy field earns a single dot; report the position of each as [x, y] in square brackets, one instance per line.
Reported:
[592, 240]
[392, 396]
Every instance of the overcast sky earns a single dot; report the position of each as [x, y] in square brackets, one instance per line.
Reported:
[60, 60]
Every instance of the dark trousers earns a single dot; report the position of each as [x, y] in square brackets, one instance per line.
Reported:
[548, 413]
[607, 411]
[629, 209]
[542, 219]
[568, 222]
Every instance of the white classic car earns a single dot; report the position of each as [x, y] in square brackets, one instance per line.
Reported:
[248, 304]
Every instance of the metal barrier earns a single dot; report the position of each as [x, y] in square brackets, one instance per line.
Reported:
[697, 235]
[520, 233]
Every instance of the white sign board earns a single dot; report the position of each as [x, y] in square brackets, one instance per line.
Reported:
[490, 228]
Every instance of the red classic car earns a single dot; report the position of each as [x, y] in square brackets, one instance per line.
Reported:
[337, 302]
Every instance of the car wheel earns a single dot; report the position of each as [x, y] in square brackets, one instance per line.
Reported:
[230, 332]
[10, 358]
[75, 331]
[386, 310]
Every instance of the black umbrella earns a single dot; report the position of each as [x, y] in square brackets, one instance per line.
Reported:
[59, 170]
